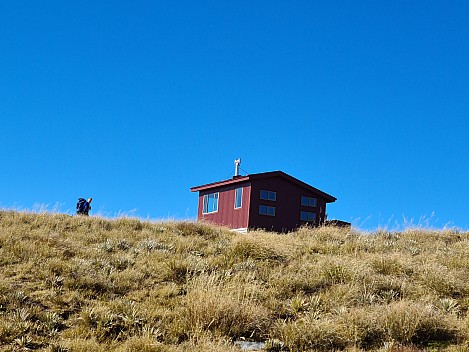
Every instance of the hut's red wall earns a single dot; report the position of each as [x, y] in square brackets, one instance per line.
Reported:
[227, 215]
[287, 206]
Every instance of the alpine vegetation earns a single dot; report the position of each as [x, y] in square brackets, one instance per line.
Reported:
[77, 283]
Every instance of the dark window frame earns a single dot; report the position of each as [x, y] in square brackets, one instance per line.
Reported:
[267, 210]
[309, 201]
[268, 195]
[308, 216]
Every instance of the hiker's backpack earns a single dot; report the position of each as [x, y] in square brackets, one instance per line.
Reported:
[82, 206]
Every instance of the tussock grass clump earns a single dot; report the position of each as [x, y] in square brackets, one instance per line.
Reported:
[116, 320]
[407, 322]
[230, 306]
[92, 284]
[245, 248]
[310, 333]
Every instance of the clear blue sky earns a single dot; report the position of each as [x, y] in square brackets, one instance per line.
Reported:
[134, 102]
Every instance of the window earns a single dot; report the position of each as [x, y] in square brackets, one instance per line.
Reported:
[268, 195]
[210, 203]
[308, 201]
[307, 216]
[238, 197]
[266, 210]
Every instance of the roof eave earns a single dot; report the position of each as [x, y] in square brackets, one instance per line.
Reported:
[327, 197]
[236, 179]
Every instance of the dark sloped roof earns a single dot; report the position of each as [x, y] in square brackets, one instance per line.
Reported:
[277, 174]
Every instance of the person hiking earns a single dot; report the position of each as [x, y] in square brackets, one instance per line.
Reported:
[83, 206]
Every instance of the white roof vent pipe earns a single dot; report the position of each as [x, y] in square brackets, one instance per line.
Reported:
[237, 162]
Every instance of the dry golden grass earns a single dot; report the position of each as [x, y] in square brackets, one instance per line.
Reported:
[92, 284]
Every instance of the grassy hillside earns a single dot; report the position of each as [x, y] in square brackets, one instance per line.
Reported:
[90, 284]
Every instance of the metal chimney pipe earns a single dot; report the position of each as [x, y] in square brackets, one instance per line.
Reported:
[237, 162]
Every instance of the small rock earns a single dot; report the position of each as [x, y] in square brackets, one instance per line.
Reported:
[249, 345]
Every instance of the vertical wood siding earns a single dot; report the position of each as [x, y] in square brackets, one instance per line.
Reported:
[287, 206]
[227, 215]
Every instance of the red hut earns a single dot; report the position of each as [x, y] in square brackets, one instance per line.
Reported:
[273, 201]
